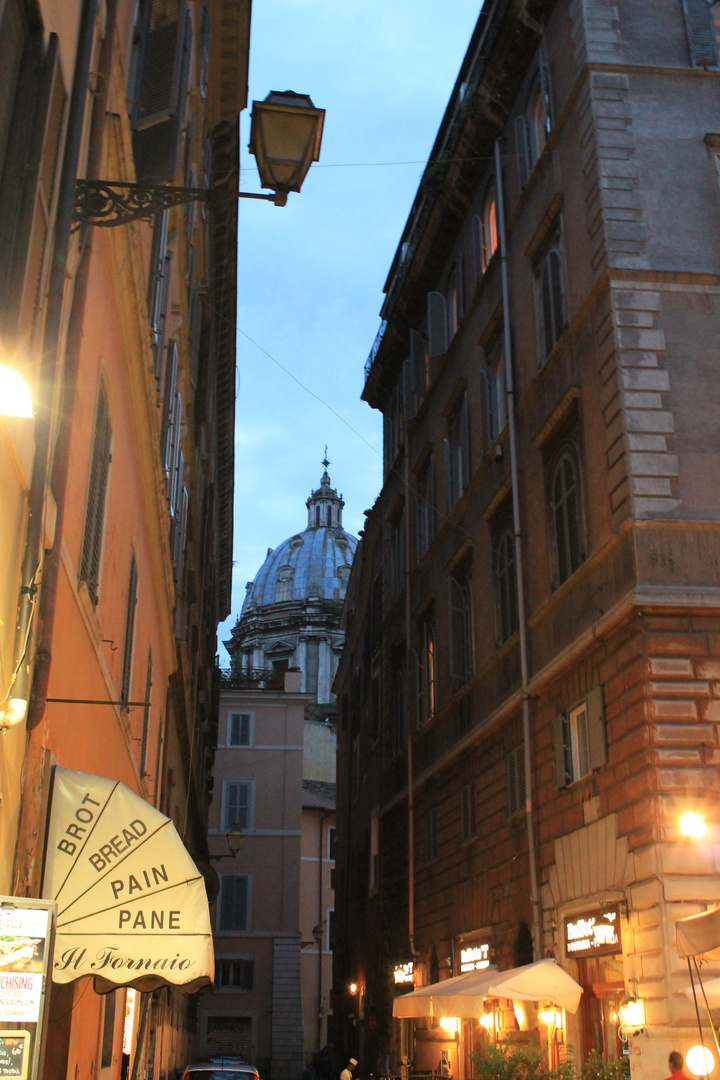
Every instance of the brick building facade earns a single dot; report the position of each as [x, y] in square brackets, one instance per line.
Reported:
[532, 617]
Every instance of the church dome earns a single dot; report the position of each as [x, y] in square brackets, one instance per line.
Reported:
[310, 564]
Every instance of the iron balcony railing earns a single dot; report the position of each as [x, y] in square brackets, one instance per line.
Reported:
[252, 679]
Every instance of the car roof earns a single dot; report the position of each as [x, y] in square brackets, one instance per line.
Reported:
[222, 1063]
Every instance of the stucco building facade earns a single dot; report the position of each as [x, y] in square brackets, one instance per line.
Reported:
[527, 696]
[119, 489]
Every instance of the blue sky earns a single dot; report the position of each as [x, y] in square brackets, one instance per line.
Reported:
[311, 274]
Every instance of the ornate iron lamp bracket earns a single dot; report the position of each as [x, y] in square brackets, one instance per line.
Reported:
[116, 202]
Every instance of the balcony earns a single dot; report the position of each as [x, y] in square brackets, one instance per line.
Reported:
[252, 679]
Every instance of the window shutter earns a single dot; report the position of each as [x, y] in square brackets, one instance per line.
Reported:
[146, 716]
[408, 387]
[161, 90]
[464, 444]
[597, 750]
[460, 282]
[437, 324]
[700, 32]
[129, 630]
[29, 178]
[522, 147]
[447, 473]
[417, 358]
[477, 231]
[560, 750]
[97, 488]
[168, 399]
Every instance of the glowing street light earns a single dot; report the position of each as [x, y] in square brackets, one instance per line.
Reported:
[14, 394]
[692, 824]
[700, 1061]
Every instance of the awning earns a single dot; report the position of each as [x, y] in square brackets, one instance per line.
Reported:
[711, 987]
[463, 996]
[131, 904]
[696, 934]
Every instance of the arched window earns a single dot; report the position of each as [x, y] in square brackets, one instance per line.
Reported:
[538, 116]
[566, 519]
[329, 514]
[317, 516]
[505, 585]
[552, 300]
[489, 228]
[460, 629]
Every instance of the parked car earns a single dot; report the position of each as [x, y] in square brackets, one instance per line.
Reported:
[221, 1068]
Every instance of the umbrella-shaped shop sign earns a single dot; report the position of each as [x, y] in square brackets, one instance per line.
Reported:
[131, 904]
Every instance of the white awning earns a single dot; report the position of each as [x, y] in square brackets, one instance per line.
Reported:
[697, 934]
[131, 904]
[463, 996]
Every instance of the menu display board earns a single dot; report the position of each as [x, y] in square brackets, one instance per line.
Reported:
[14, 1054]
[23, 939]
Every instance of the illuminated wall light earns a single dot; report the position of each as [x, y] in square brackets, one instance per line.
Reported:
[700, 1061]
[449, 1024]
[353, 988]
[692, 824]
[548, 1015]
[631, 1014]
[15, 397]
[487, 1020]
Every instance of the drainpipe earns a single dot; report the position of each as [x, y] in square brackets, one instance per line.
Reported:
[30, 828]
[517, 532]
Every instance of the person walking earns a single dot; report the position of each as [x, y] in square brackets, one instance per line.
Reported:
[347, 1073]
[675, 1061]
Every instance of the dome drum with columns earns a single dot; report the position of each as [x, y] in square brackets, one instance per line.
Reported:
[291, 613]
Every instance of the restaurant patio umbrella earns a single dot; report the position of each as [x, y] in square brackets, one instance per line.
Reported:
[463, 996]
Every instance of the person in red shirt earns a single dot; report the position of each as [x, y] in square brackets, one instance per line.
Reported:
[675, 1061]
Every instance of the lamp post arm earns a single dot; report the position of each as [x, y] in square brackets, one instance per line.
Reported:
[116, 202]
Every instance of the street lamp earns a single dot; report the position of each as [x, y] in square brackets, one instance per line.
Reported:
[14, 394]
[285, 138]
[692, 824]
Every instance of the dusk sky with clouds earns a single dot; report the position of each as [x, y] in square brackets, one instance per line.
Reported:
[311, 274]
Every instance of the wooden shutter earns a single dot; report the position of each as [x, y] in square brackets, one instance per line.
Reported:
[417, 358]
[129, 630]
[158, 290]
[408, 389]
[597, 749]
[146, 716]
[522, 149]
[27, 193]
[161, 90]
[560, 749]
[700, 33]
[477, 230]
[437, 324]
[97, 488]
[464, 434]
[168, 402]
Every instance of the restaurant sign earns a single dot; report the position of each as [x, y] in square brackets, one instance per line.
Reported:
[593, 933]
[475, 958]
[403, 973]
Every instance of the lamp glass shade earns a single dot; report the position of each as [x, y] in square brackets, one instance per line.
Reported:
[632, 1013]
[700, 1061]
[285, 138]
[14, 394]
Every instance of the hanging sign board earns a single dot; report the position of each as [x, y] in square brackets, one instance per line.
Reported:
[24, 933]
[131, 904]
[475, 958]
[14, 1054]
[593, 933]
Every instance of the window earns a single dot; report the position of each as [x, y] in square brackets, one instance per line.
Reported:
[158, 290]
[374, 854]
[108, 1037]
[454, 300]
[129, 630]
[233, 903]
[97, 490]
[394, 433]
[234, 974]
[460, 622]
[396, 717]
[424, 510]
[552, 300]
[468, 811]
[331, 842]
[237, 805]
[566, 515]
[516, 780]
[397, 554]
[505, 585]
[239, 725]
[457, 453]
[579, 739]
[492, 385]
[427, 673]
[431, 835]
[533, 126]
[485, 233]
